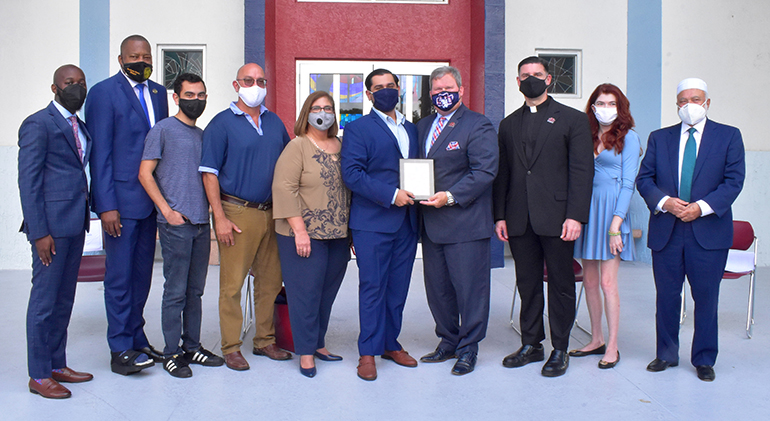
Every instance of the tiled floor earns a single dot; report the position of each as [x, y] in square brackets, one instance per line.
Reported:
[276, 390]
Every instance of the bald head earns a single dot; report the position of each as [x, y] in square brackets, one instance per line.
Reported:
[65, 71]
[249, 69]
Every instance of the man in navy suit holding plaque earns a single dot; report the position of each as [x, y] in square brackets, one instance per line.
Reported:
[457, 220]
[383, 220]
[120, 111]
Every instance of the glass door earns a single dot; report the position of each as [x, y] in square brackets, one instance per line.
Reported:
[344, 80]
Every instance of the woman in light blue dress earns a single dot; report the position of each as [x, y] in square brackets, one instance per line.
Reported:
[607, 238]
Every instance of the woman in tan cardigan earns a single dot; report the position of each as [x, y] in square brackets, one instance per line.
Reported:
[311, 206]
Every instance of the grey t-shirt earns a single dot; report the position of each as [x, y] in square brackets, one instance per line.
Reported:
[177, 147]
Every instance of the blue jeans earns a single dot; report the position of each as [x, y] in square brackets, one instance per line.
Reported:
[185, 251]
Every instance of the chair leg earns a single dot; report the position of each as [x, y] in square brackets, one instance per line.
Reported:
[577, 307]
[683, 311]
[513, 307]
[750, 316]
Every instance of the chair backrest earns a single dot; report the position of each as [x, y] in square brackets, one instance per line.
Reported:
[743, 235]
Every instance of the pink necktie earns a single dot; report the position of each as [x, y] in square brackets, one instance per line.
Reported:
[437, 132]
[74, 121]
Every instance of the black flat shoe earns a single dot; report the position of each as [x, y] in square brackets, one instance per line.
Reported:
[130, 362]
[604, 364]
[438, 356]
[657, 365]
[596, 351]
[153, 354]
[465, 364]
[556, 365]
[308, 372]
[329, 357]
[706, 373]
[524, 355]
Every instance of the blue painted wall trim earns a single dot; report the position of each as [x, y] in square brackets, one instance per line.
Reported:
[644, 87]
[95, 40]
[494, 84]
[254, 32]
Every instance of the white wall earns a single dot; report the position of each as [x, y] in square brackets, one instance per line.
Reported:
[598, 28]
[727, 44]
[38, 37]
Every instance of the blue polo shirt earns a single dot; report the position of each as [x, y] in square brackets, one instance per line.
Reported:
[240, 155]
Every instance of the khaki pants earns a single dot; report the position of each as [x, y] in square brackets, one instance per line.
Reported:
[256, 248]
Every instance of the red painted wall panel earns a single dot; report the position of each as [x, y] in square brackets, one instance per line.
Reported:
[357, 31]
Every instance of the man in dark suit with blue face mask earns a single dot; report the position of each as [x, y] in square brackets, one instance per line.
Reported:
[120, 111]
[382, 219]
[53, 148]
[457, 220]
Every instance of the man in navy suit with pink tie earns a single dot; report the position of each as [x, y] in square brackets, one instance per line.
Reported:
[53, 148]
[690, 177]
[120, 111]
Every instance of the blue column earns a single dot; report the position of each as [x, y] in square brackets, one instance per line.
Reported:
[95, 40]
[644, 87]
[494, 83]
[254, 32]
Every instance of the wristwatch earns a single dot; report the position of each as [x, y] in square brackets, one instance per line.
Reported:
[450, 200]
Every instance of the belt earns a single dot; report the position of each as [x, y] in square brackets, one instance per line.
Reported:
[240, 202]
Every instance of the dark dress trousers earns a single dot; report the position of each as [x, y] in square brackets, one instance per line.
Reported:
[455, 239]
[54, 201]
[119, 125]
[534, 193]
[696, 249]
[384, 235]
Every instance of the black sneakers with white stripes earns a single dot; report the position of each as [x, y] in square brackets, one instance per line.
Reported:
[204, 357]
[177, 366]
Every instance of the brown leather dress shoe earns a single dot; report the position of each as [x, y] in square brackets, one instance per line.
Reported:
[400, 357]
[367, 369]
[69, 375]
[273, 352]
[49, 388]
[235, 361]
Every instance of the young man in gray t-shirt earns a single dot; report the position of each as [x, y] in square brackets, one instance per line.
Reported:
[169, 174]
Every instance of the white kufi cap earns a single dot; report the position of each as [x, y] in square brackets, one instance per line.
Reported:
[692, 83]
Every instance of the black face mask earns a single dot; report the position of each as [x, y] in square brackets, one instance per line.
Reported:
[532, 87]
[138, 71]
[192, 108]
[71, 97]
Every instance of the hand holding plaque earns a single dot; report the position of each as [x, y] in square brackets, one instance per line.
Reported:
[417, 177]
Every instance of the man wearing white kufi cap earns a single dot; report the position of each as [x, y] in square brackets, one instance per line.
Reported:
[690, 177]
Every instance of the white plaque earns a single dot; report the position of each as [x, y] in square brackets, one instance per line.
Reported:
[417, 177]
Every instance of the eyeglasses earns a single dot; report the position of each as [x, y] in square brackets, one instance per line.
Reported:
[248, 82]
[317, 109]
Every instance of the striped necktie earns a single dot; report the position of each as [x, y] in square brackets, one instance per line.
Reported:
[437, 131]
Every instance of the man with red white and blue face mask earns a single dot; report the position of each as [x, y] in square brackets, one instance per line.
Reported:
[457, 220]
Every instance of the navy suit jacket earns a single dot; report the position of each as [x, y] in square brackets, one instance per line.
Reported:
[718, 179]
[465, 158]
[370, 168]
[52, 179]
[118, 124]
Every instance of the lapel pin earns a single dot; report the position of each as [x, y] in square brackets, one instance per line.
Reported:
[155, 91]
[452, 124]
[551, 120]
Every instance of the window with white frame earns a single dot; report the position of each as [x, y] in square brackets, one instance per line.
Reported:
[180, 58]
[565, 69]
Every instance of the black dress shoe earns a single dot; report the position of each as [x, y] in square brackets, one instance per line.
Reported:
[465, 364]
[524, 355]
[605, 365]
[706, 373]
[327, 357]
[596, 351]
[153, 353]
[660, 365]
[308, 372]
[438, 356]
[556, 365]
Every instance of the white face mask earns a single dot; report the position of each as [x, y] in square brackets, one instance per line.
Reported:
[605, 116]
[692, 113]
[252, 96]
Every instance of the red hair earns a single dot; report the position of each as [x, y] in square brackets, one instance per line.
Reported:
[614, 137]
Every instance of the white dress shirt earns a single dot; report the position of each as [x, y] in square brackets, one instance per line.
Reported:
[399, 131]
[147, 97]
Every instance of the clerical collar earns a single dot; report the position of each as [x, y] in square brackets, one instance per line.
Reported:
[541, 107]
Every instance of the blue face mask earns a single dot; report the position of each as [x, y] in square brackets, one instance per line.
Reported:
[386, 99]
[445, 101]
